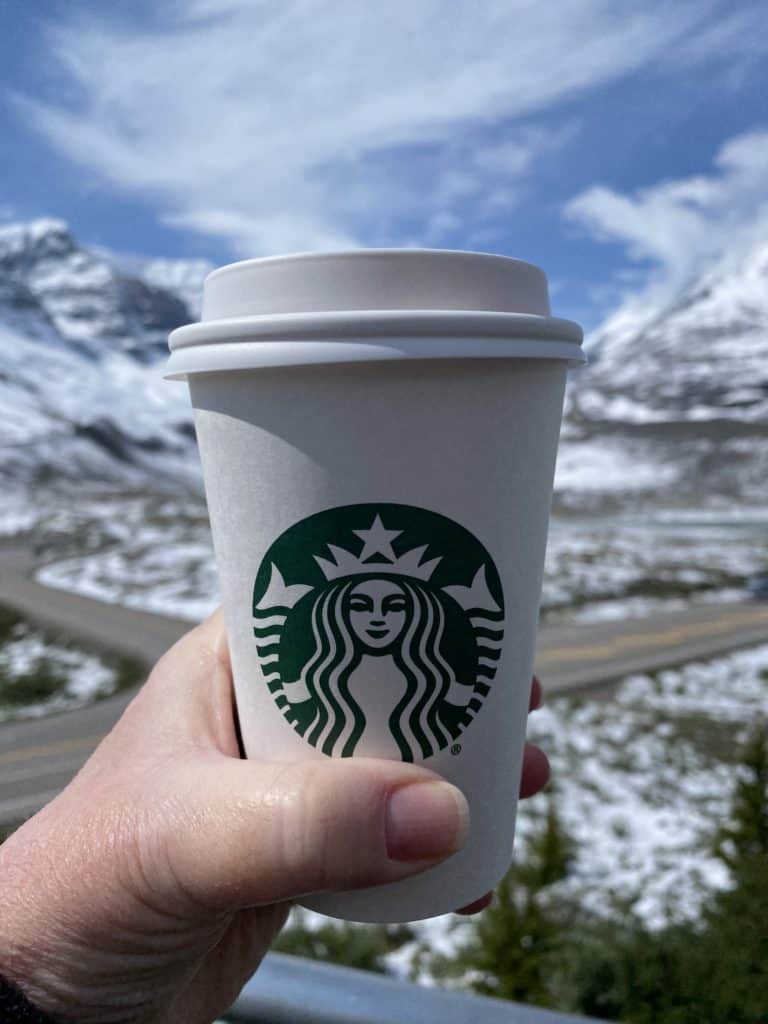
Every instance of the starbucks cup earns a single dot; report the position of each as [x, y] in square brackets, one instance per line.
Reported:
[378, 431]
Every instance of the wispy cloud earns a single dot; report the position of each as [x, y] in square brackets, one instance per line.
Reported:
[311, 124]
[674, 229]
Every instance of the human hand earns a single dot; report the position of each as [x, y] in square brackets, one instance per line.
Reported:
[150, 889]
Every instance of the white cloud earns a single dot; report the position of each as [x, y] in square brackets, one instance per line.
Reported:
[311, 123]
[678, 228]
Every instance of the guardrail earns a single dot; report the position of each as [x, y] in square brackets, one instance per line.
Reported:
[292, 990]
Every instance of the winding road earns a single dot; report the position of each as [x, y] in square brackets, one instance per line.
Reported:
[39, 756]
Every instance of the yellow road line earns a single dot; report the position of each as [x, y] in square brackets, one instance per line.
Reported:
[661, 638]
[60, 747]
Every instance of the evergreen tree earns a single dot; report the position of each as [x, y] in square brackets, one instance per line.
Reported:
[746, 838]
[733, 960]
[713, 973]
[354, 945]
[730, 970]
[512, 949]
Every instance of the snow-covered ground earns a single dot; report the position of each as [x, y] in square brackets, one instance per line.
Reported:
[16, 515]
[155, 553]
[152, 553]
[610, 467]
[641, 783]
[612, 567]
[83, 677]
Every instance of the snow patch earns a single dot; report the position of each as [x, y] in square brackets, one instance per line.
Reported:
[86, 676]
[602, 466]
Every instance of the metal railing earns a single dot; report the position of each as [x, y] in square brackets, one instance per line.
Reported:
[292, 990]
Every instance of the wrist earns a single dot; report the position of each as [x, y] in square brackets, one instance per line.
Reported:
[16, 1008]
[31, 950]
[27, 978]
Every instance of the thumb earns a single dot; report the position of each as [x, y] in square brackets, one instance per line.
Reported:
[252, 833]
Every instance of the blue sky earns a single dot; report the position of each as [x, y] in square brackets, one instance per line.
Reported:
[621, 145]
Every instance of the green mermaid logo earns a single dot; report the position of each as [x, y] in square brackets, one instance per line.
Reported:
[379, 629]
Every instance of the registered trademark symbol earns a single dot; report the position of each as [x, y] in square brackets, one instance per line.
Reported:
[456, 749]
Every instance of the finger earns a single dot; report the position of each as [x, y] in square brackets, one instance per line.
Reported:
[537, 694]
[536, 770]
[249, 833]
[478, 905]
[193, 655]
[206, 642]
[188, 698]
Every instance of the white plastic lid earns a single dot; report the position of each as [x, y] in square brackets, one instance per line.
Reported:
[371, 304]
[375, 279]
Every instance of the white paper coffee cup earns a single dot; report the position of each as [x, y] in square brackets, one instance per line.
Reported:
[378, 432]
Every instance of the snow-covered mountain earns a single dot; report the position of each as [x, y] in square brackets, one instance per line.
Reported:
[671, 411]
[703, 356]
[81, 343]
[182, 278]
[53, 282]
[674, 405]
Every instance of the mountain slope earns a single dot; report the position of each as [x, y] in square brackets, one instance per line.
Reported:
[702, 357]
[674, 405]
[81, 344]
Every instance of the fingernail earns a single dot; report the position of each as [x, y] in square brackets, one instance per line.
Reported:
[478, 905]
[426, 821]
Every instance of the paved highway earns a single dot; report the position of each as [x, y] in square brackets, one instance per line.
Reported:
[37, 757]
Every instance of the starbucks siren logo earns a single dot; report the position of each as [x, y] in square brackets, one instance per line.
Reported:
[379, 629]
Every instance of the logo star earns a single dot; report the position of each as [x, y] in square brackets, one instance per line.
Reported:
[377, 540]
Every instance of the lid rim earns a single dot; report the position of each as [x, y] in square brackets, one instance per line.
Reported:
[237, 356]
[336, 325]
